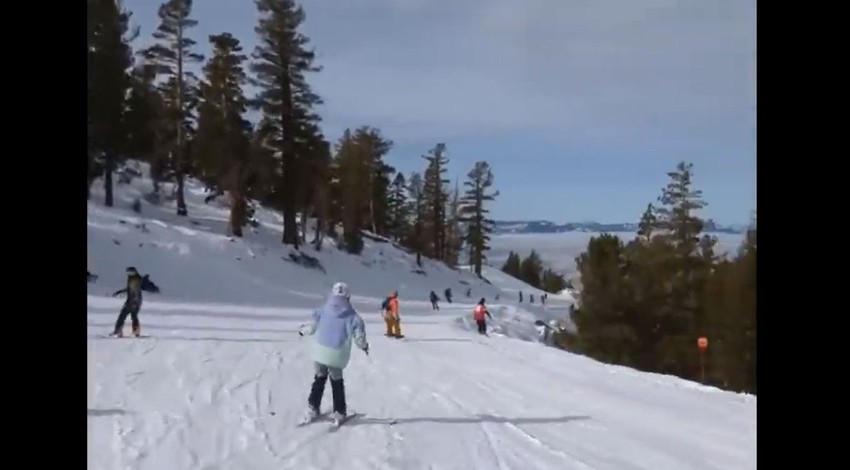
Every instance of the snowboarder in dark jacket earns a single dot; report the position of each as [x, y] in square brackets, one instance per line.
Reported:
[132, 305]
[434, 300]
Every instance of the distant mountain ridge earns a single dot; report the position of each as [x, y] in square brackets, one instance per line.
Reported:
[546, 226]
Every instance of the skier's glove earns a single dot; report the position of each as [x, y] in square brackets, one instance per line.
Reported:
[366, 350]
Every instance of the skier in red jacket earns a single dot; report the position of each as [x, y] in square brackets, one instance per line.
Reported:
[478, 314]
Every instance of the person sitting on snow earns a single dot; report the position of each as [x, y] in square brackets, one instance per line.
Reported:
[335, 325]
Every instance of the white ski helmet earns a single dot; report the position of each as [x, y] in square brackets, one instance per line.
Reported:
[340, 288]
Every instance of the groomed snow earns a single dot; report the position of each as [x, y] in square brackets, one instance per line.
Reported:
[221, 377]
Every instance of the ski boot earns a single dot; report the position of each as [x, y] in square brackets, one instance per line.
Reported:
[137, 331]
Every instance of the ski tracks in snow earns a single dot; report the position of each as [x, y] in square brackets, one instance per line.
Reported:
[439, 399]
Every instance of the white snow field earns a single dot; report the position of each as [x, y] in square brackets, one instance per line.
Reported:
[220, 376]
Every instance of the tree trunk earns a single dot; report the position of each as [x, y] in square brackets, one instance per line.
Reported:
[237, 213]
[107, 178]
[303, 234]
[290, 225]
[238, 204]
[178, 156]
[319, 236]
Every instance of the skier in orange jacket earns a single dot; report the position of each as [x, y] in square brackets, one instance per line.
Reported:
[479, 313]
[391, 316]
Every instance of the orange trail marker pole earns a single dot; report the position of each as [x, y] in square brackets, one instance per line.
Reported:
[702, 344]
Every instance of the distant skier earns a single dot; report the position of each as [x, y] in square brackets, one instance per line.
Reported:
[391, 316]
[479, 313]
[448, 294]
[334, 325]
[132, 305]
[520, 296]
[434, 300]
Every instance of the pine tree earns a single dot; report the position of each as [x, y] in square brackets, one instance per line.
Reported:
[648, 222]
[603, 321]
[512, 265]
[435, 198]
[109, 59]
[530, 269]
[676, 217]
[144, 107]
[313, 152]
[286, 99]
[171, 55]
[419, 212]
[374, 148]
[474, 212]
[454, 233]
[354, 175]
[681, 227]
[398, 207]
[223, 140]
[552, 282]
[315, 195]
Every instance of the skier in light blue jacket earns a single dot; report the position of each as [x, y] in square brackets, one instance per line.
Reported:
[335, 325]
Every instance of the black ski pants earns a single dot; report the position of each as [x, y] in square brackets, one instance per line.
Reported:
[482, 326]
[318, 388]
[131, 309]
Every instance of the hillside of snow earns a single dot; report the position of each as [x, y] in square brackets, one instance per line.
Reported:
[220, 375]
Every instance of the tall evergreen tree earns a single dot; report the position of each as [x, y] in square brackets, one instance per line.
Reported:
[419, 213]
[285, 98]
[354, 175]
[144, 106]
[171, 54]
[374, 147]
[474, 212]
[109, 60]
[398, 207]
[530, 269]
[512, 265]
[680, 226]
[223, 140]
[454, 232]
[435, 197]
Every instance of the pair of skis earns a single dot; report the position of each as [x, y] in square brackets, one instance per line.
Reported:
[334, 424]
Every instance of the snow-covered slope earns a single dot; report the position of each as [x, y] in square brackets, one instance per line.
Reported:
[221, 375]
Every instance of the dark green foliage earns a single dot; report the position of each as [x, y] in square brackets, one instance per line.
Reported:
[354, 176]
[512, 265]
[418, 209]
[223, 140]
[435, 198]
[398, 208]
[645, 303]
[530, 271]
[281, 60]
[170, 55]
[552, 281]
[473, 212]
[109, 56]
[158, 111]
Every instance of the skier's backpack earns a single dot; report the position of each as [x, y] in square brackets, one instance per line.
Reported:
[385, 304]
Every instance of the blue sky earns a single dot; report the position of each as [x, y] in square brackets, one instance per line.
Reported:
[580, 106]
